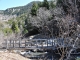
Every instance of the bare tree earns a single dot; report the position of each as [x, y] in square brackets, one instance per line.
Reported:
[61, 22]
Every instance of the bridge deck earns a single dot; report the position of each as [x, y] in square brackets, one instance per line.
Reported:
[32, 44]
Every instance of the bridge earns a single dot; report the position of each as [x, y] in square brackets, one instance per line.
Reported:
[34, 44]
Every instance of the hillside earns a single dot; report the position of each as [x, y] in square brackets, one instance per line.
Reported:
[1, 11]
[18, 10]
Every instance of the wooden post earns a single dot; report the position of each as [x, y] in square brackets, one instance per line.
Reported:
[47, 42]
[25, 43]
[52, 42]
[36, 44]
[19, 43]
[13, 43]
[31, 43]
[10, 43]
[42, 44]
[7, 43]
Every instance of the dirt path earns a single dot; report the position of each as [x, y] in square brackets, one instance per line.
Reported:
[11, 56]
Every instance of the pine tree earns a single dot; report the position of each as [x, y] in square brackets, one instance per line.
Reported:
[40, 4]
[34, 9]
[52, 5]
[46, 4]
[14, 27]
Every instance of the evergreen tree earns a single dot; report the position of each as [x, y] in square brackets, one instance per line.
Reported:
[34, 9]
[14, 27]
[7, 31]
[52, 5]
[27, 26]
[40, 4]
[46, 4]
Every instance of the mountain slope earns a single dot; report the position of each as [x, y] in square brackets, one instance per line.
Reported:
[18, 10]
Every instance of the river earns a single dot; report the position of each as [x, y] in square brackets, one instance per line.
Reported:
[47, 56]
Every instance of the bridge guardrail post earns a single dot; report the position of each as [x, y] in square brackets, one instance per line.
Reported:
[7, 44]
[25, 43]
[36, 43]
[10, 43]
[52, 42]
[19, 43]
[47, 42]
[13, 43]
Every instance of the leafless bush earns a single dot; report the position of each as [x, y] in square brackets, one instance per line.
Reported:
[61, 22]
